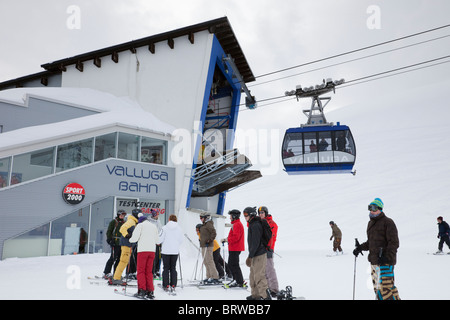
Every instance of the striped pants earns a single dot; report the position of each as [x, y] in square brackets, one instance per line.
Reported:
[383, 282]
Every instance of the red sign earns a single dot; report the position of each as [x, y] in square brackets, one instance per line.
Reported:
[73, 193]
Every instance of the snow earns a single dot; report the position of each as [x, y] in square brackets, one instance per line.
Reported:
[402, 157]
[113, 111]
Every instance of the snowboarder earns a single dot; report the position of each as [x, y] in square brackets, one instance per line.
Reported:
[236, 244]
[207, 236]
[337, 235]
[257, 256]
[113, 239]
[125, 246]
[382, 244]
[443, 235]
[271, 274]
[146, 236]
[170, 239]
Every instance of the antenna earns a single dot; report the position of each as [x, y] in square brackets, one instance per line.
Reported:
[315, 114]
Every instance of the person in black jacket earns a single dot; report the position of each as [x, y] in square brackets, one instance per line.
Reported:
[257, 256]
[444, 231]
[113, 239]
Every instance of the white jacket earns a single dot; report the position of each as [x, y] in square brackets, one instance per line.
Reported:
[171, 238]
[146, 236]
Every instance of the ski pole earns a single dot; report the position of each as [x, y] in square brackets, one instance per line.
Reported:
[354, 267]
[181, 272]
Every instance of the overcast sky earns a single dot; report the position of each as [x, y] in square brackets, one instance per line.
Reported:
[273, 35]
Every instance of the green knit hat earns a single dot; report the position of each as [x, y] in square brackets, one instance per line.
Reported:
[378, 203]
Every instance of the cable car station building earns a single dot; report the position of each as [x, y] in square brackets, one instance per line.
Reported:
[149, 123]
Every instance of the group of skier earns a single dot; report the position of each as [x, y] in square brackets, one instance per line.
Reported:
[152, 241]
[149, 236]
[382, 244]
[263, 278]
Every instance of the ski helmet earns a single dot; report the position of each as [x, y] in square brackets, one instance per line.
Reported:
[235, 214]
[263, 209]
[119, 212]
[250, 211]
[136, 212]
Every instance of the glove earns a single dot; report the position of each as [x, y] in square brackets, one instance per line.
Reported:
[248, 262]
[331, 238]
[109, 241]
[357, 251]
[224, 240]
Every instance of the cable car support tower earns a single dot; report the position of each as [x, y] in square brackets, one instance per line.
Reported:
[315, 114]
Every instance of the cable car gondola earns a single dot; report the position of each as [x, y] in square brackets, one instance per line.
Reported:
[318, 146]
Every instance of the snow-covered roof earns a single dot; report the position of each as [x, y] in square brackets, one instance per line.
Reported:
[112, 111]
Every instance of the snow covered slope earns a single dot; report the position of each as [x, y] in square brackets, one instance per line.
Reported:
[403, 152]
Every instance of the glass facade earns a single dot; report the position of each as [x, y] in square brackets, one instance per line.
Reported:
[74, 154]
[32, 165]
[81, 231]
[33, 243]
[4, 171]
[128, 146]
[105, 146]
[40, 163]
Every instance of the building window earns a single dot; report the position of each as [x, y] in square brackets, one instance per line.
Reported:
[105, 146]
[153, 151]
[74, 154]
[33, 243]
[32, 165]
[128, 146]
[69, 234]
[4, 172]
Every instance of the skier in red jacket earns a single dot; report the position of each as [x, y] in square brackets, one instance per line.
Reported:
[236, 244]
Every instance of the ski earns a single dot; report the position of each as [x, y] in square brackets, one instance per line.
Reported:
[130, 294]
[106, 283]
[204, 284]
[170, 291]
[439, 253]
[233, 285]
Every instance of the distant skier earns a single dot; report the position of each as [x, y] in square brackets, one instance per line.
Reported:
[444, 231]
[337, 235]
[382, 244]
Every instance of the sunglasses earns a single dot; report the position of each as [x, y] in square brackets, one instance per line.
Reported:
[373, 207]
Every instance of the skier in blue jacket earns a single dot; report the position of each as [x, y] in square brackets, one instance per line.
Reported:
[444, 231]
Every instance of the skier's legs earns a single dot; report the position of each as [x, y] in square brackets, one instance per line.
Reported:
[271, 275]
[124, 259]
[383, 282]
[233, 262]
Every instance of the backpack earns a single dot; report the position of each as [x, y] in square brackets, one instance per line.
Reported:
[267, 233]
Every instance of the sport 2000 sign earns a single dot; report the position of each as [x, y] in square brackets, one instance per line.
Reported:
[73, 193]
